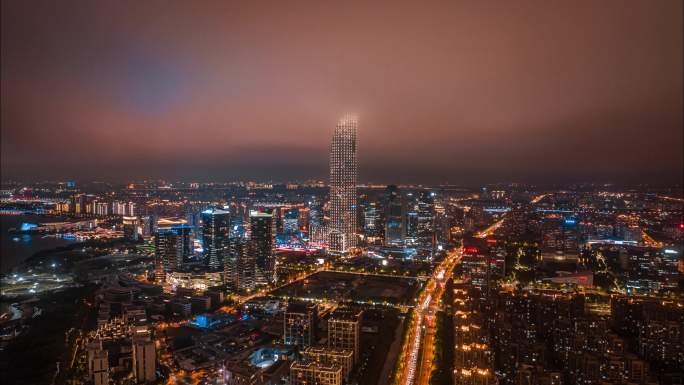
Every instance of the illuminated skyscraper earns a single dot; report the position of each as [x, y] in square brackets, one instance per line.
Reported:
[426, 219]
[394, 217]
[291, 222]
[130, 228]
[172, 246]
[239, 265]
[215, 231]
[262, 228]
[343, 180]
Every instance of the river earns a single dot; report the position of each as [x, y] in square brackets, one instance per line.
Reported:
[15, 248]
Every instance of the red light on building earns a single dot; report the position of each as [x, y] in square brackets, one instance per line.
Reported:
[470, 250]
[491, 240]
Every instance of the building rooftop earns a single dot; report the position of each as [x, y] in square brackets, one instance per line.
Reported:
[346, 314]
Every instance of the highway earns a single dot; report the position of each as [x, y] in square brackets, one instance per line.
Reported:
[648, 240]
[538, 198]
[489, 230]
[416, 364]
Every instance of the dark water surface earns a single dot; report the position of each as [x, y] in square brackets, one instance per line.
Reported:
[15, 248]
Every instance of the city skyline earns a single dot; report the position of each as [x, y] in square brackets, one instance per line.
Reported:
[452, 192]
[460, 92]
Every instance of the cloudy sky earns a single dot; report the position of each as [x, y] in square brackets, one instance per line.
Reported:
[454, 91]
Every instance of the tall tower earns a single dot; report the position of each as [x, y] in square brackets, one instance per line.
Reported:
[395, 225]
[215, 231]
[262, 228]
[144, 360]
[172, 246]
[343, 179]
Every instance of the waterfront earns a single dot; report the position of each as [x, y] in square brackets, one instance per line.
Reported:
[16, 248]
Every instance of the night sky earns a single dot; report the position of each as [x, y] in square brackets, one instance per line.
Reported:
[457, 91]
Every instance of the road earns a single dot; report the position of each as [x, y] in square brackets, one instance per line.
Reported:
[648, 240]
[538, 198]
[489, 230]
[419, 351]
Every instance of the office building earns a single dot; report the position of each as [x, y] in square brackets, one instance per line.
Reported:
[411, 218]
[172, 246]
[476, 263]
[425, 224]
[315, 214]
[395, 225]
[560, 239]
[372, 222]
[291, 221]
[239, 265]
[344, 327]
[343, 180]
[262, 233]
[131, 227]
[299, 324]
[215, 232]
[303, 219]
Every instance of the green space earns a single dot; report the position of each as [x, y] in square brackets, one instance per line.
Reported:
[349, 287]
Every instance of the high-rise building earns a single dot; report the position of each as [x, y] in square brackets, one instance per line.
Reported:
[239, 265]
[92, 348]
[394, 219]
[299, 324]
[344, 327]
[372, 222]
[101, 209]
[78, 202]
[118, 208]
[303, 219]
[131, 226]
[146, 225]
[262, 233]
[411, 218]
[144, 360]
[124, 208]
[476, 263]
[560, 239]
[215, 232]
[99, 363]
[425, 227]
[131, 209]
[291, 221]
[172, 246]
[315, 214]
[343, 180]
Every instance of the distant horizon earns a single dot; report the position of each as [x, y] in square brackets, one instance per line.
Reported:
[369, 184]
